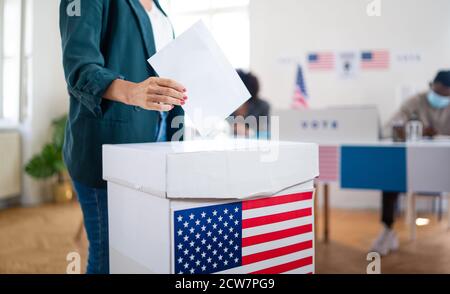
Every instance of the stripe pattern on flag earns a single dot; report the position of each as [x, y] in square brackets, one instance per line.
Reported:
[328, 163]
[375, 59]
[300, 99]
[262, 236]
[321, 61]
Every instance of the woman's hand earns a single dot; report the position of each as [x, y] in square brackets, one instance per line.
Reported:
[152, 94]
[157, 94]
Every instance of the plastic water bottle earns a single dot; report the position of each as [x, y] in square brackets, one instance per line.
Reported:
[414, 129]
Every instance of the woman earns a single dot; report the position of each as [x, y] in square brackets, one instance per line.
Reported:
[115, 97]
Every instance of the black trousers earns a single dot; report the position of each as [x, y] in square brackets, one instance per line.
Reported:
[388, 207]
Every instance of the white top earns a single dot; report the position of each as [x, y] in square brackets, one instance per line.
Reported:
[162, 28]
[162, 35]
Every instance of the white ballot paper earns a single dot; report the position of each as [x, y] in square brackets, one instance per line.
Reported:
[214, 89]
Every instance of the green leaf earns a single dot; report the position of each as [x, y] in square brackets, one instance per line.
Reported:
[49, 162]
[38, 168]
[59, 126]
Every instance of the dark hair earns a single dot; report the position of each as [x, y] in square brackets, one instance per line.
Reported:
[443, 77]
[251, 82]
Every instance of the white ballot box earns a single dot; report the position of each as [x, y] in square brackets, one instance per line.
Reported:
[234, 206]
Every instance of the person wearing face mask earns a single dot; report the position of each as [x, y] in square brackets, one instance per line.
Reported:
[432, 108]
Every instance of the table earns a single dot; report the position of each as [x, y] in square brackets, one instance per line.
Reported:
[412, 168]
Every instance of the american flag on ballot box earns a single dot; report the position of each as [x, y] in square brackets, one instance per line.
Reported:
[262, 236]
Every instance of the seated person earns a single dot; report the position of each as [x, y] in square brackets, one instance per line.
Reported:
[242, 123]
[433, 110]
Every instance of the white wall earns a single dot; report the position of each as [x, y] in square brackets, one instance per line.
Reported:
[291, 28]
[282, 28]
[47, 97]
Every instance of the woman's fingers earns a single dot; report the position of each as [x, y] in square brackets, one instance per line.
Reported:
[165, 91]
[158, 106]
[168, 83]
[164, 99]
[162, 94]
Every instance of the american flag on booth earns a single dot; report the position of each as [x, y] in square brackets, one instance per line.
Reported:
[321, 61]
[262, 236]
[300, 99]
[376, 59]
[328, 163]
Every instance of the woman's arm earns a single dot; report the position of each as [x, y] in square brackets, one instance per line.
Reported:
[152, 94]
[89, 81]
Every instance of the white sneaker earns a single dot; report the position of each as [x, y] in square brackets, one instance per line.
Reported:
[385, 242]
[394, 244]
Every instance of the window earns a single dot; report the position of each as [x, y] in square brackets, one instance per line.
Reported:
[228, 20]
[10, 59]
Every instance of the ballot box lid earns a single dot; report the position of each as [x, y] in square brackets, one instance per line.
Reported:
[219, 169]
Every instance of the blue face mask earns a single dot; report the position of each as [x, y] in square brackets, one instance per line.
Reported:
[438, 101]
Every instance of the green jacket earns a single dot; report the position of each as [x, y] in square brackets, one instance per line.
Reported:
[110, 39]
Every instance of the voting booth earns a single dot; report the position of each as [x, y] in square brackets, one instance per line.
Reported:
[330, 125]
[234, 206]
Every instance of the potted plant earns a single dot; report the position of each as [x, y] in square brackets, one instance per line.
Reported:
[49, 163]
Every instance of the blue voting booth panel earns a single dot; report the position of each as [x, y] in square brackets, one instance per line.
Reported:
[378, 168]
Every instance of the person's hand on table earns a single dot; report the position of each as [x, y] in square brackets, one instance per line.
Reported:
[152, 94]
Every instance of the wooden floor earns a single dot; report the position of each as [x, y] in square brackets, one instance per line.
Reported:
[37, 240]
[352, 233]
